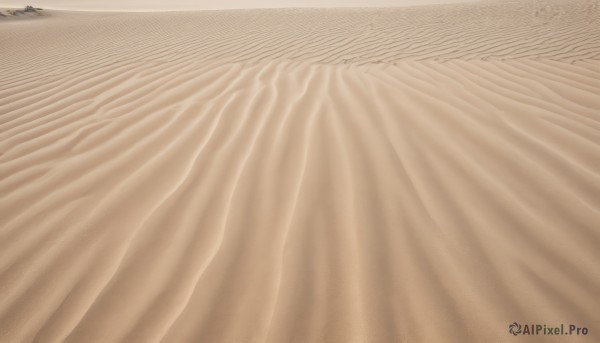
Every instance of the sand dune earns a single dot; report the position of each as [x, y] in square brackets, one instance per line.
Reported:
[420, 174]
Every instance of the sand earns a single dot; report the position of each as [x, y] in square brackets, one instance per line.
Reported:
[417, 174]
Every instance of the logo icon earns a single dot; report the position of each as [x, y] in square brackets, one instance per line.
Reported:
[514, 328]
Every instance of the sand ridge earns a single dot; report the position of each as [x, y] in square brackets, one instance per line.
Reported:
[420, 174]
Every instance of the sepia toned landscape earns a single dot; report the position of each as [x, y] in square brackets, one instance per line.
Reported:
[423, 173]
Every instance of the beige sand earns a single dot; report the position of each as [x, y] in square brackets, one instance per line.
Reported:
[426, 174]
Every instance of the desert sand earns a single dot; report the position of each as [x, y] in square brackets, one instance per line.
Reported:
[412, 174]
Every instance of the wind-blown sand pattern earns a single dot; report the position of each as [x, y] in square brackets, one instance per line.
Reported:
[419, 174]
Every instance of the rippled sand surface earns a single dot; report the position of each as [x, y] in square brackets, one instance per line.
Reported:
[418, 174]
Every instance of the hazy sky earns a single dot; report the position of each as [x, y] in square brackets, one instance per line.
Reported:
[158, 5]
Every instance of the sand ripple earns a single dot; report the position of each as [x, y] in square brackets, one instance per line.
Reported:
[329, 176]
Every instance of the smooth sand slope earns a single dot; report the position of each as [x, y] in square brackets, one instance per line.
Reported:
[426, 174]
